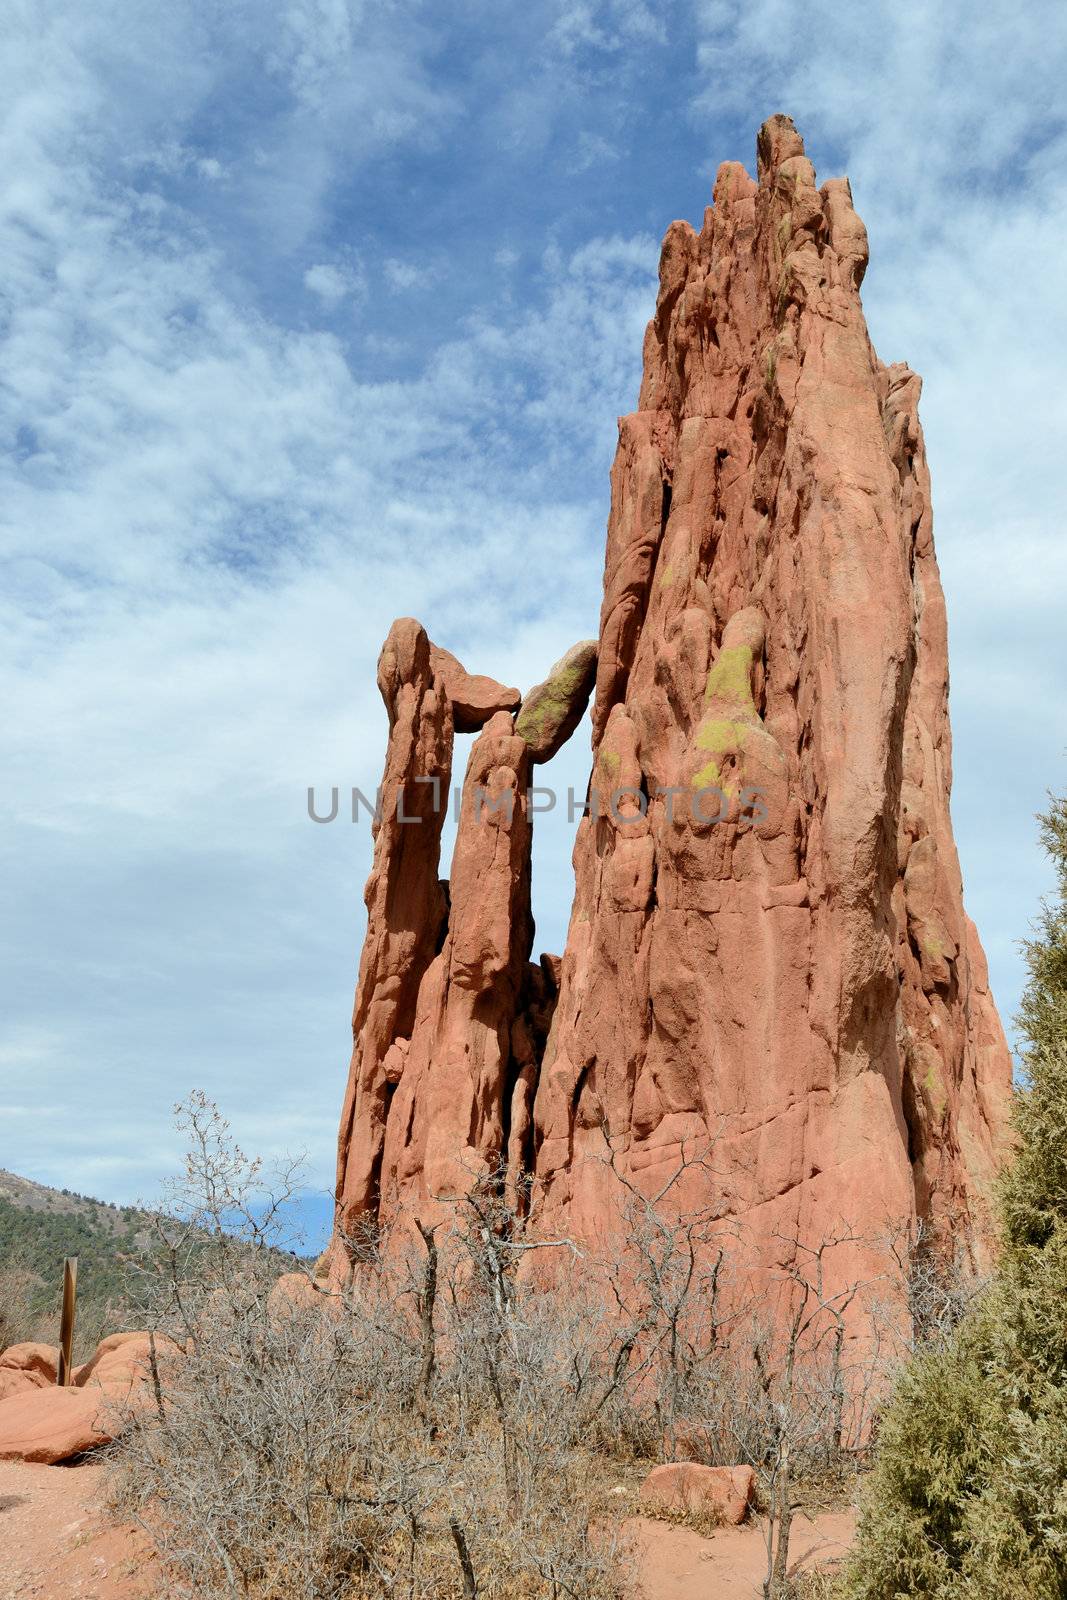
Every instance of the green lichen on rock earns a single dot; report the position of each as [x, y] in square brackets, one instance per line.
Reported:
[550, 712]
[730, 679]
[935, 1091]
[731, 713]
[554, 699]
[719, 734]
[709, 776]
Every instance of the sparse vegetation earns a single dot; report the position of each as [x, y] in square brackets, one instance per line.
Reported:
[472, 1412]
[39, 1227]
[35, 1238]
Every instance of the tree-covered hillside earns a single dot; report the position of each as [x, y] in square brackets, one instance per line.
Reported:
[39, 1227]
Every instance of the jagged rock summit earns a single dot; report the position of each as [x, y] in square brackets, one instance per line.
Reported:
[768, 950]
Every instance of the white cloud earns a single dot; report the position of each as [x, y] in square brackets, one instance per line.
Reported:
[593, 150]
[333, 284]
[607, 24]
[212, 518]
[405, 275]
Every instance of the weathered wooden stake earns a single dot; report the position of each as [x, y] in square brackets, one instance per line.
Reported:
[66, 1329]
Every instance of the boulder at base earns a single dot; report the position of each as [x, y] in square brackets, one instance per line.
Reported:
[43, 1423]
[689, 1489]
[26, 1366]
[50, 1425]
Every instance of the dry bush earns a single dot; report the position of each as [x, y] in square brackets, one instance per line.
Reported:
[412, 1435]
[457, 1419]
[19, 1321]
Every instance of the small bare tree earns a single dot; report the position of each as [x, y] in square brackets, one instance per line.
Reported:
[800, 1405]
[409, 1434]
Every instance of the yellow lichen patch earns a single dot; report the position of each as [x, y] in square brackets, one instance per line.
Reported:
[730, 679]
[710, 777]
[719, 734]
[609, 760]
[667, 575]
[935, 1091]
[933, 945]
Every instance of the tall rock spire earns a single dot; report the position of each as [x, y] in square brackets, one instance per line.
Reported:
[768, 946]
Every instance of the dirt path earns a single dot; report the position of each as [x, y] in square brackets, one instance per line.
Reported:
[54, 1545]
[677, 1564]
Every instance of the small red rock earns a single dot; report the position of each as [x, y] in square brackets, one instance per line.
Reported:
[26, 1366]
[721, 1493]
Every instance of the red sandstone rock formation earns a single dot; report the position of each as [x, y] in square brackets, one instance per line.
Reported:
[445, 1026]
[42, 1423]
[768, 950]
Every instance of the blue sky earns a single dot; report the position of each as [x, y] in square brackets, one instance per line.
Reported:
[319, 313]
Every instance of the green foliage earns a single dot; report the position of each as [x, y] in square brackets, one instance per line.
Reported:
[1043, 1013]
[33, 1245]
[968, 1497]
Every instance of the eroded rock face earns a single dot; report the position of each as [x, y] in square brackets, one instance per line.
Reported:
[768, 955]
[445, 1030]
[793, 981]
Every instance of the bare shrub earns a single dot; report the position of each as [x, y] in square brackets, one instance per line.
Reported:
[401, 1437]
[941, 1287]
[455, 1419]
[19, 1321]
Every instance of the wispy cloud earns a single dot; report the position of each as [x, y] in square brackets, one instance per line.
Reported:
[240, 440]
[333, 284]
[212, 517]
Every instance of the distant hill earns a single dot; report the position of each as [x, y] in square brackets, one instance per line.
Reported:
[38, 1228]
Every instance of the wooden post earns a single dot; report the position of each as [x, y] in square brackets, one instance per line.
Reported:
[66, 1331]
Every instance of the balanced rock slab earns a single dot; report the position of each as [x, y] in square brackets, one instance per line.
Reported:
[552, 710]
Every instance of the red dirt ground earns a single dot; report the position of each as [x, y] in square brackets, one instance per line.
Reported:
[55, 1544]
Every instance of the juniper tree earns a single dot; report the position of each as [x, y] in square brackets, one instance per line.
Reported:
[968, 1497]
